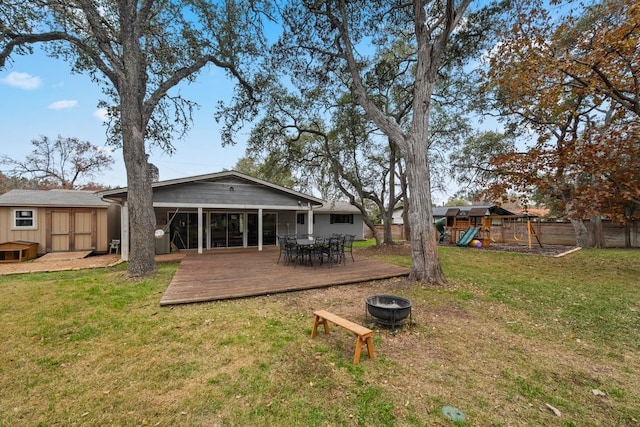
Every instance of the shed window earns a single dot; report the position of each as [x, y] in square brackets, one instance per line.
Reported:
[24, 218]
[341, 219]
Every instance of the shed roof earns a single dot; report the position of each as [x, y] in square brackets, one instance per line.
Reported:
[45, 198]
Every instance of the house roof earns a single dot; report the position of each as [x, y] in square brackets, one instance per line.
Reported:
[43, 198]
[121, 192]
[338, 206]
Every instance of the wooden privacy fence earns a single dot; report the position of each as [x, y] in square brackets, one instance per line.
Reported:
[550, 233]
[562, 233]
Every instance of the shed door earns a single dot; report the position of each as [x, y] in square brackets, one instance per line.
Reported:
[59, 232]
[71, 230]
[82, 231]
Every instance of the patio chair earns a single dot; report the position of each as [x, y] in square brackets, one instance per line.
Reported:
[114, 246]
[324, 248]
[347, 246]
[295, 254]
[282, 242]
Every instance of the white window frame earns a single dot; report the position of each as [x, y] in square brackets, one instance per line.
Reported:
[34, 219]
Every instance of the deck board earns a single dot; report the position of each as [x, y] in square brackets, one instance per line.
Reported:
[219, 274]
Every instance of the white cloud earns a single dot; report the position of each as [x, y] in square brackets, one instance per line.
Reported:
[22, 80]
[102, 114]
[61, 105]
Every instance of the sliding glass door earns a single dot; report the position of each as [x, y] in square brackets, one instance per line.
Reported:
[225, 229]
[269, 223]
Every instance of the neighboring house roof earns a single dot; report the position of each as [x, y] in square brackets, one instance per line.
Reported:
[45, 198]
[122, 192]
[338, 206]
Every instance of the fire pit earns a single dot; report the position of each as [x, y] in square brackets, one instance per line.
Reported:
[389, 309]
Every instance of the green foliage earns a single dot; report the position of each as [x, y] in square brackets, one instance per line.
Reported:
[270, 169]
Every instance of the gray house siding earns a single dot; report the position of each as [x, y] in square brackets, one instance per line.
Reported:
[226, 209]
[323, 226]
[225, 192]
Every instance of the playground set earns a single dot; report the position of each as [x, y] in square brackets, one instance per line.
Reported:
[473, 226]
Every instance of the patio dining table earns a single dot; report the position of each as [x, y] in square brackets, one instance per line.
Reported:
[306, 242]
[311, 250]
[305, 250]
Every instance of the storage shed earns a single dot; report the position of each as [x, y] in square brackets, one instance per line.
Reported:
[58, 220]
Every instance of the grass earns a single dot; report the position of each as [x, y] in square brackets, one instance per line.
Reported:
[510, 334]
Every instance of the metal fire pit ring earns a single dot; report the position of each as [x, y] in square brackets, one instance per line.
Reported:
[389, 310]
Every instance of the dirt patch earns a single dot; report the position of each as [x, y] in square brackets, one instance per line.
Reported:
[61, 261]
[401, 249]
[544, 250]
[58, 263]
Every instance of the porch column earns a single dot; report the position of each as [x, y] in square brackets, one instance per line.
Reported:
[310, 216]
[200, 230]
[259, 229]
[124, 232]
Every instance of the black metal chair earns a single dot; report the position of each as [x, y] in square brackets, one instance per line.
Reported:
[282, 242]
[325, 248]
[347, 246]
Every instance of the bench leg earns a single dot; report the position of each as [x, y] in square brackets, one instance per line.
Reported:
[370, 346]
[368, 340]
[316, 321]
[356, 356]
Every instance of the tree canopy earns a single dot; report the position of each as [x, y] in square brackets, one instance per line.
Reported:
[382, 54]
[138, 52]
[574, 83]
[61, 163]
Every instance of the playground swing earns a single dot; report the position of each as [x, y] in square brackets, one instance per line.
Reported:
[519, 221]
[525, 226]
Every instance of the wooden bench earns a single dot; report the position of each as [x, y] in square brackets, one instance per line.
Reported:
[363, 335]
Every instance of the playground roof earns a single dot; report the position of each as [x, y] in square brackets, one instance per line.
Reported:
[472, 211]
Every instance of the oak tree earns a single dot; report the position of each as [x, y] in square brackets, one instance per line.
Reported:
[139, 52]
[61, 163]
[324, 45]
[574, 83]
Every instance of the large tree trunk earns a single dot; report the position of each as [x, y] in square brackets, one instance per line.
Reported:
[597, 234]
[142, 219]
[628, 220]
[132, 90]
[582, 234]
[424, 246]
[372, 227]
[387, 229]
[405, 220]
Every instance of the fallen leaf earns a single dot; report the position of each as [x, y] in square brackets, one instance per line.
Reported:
[597, 392]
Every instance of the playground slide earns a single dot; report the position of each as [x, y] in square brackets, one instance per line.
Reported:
[440, 227]
[468, 236]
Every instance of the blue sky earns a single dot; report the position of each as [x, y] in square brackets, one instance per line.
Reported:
[41, 97]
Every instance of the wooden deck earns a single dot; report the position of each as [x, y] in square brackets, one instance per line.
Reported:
[226, 274]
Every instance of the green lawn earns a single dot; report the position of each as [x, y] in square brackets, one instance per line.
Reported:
[508, 336]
